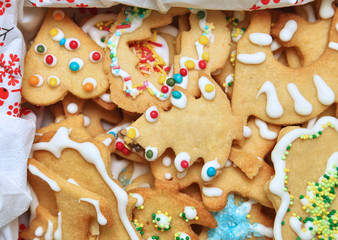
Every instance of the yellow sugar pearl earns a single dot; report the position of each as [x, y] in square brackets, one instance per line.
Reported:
[122, 30]
[161, 80]
[53, 82]
[53, 32]
[131, 133]
[205, 56]
[248, 216]
[189, 64]
[209, 87]
[203, 40]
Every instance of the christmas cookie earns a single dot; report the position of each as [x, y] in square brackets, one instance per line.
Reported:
[303, 188]
[62, 58]
[76, 207]
[285, 96]
[138, 65]
[76, 157]
[164, 213]
[204, 128]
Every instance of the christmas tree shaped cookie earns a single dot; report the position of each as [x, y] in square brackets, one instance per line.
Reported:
[282, 95]
[62, 59]
[303, 190]
[164, 213]
[204, 128]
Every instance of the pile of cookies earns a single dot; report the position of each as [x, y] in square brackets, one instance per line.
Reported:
[193, 124]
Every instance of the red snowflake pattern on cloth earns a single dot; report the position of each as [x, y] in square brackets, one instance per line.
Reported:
[254, 7]
[11, 69]
[4, 5]
[14, 110]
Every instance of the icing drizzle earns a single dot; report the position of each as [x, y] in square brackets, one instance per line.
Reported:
[91, 154]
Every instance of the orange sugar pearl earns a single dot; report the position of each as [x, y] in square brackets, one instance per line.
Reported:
[58, 16]
[88, 87]
[33, 80]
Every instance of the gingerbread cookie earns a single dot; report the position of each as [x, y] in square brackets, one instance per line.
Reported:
[164, 213]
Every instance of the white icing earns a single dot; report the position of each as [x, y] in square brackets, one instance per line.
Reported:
[228, 79]
[107, 141]
[262, 230]
[166, 161]
[228, 163]
[212, 191]
[38, 231]
[288, 31]
[105, 97]
[78, 61]
[273, 107]
[163, 222]
[296, 226]
[311, 17]
[180, 103]
[49, 232]
[95, 33]
[55, 60]
[190, 212]
[275, 45]
[90, 80]
[72, 181]
[202, 82]
[155, 153]
[100, 218]
[324, 93]
[86, 121]
[40, 80]
[147, 114]
[246, 131]
[34, 203]
[264, 131]
[179, 158]
[214, 164]
[57, 81]
[72, 108]
[277, 184]
[68, 40]
[168, 29]
[254, 58]
[91, 154]
[60, 35]
[301, 105]
[168, 176]
[35, 171]
[139, 198]
[333, 45]
[326, 10]
[337, 27]
[235, 38]
[260, 39]
[58, 231]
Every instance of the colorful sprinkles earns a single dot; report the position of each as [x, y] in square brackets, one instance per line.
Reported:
[161, 220]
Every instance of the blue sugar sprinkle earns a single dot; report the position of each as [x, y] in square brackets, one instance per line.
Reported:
[232, 222]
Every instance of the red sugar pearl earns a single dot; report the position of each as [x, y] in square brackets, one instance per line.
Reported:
[154, 114]
[49, 59]
[202, 64]
[126, 151]
[183, 72]
[184, 164]
[73, 44]
[119, 146]
[96, 56]
[164, 89]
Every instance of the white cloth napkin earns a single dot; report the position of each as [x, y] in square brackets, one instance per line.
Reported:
[16, 137]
